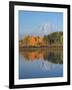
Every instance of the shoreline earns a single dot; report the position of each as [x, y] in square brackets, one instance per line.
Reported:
[47, 46]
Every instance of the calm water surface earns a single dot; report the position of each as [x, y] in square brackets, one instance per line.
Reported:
[40, 63]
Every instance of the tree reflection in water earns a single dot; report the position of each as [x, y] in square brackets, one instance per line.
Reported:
[48, 56]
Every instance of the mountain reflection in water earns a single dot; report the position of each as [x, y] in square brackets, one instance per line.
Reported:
[37, 63]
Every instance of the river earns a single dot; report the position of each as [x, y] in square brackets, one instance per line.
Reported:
[40, 63]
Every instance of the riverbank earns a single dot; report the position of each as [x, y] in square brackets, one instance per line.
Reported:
[45, 46]
[49, 47]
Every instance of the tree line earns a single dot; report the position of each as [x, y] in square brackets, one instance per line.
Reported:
[52, 38]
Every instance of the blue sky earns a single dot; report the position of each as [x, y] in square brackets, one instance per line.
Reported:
[39, 23]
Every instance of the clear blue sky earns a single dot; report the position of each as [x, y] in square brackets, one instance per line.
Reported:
[39, 23]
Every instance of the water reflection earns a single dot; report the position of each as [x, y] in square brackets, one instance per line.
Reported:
[53, 56]
[40, 63]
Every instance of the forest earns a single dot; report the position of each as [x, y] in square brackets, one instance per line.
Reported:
[55, 38]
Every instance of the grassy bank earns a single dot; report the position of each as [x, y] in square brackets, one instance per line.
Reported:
[49, 48]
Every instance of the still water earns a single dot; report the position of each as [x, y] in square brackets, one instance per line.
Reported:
[40, 63]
